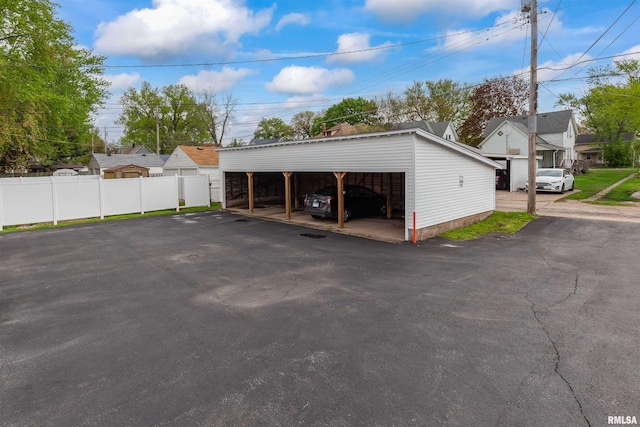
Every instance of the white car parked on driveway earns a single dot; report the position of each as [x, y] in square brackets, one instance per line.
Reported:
[553, 179]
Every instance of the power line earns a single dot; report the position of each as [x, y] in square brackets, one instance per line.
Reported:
[603, 34]
[256, 61]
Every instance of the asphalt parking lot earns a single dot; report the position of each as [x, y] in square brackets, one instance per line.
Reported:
[215, 319]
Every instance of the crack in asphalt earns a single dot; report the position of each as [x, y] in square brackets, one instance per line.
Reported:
[553, 267]
[572, 293]
[288, 291]
[555, 348]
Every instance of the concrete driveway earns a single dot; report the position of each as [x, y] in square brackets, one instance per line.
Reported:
[215, 319]
[552, 204]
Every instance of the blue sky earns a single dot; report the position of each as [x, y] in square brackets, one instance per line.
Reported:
[279, 57]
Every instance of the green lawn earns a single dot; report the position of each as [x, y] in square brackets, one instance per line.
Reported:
[623, 192]
[11, 228]
[597, 180]
[498, 222]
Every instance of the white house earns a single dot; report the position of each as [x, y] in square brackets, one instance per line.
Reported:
[196, 160]
[438, 184]
[99, 162]
[506, 140]
[444, 129]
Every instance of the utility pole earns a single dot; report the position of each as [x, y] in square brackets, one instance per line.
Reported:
[105, 141]
[157, 134]
[533, 101]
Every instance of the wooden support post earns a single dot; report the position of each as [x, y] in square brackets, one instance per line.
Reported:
[250, 178]
[296, 202]
[340, 176]
[287, 193]
[389, 195]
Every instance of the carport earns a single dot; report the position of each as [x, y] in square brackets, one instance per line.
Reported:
[433, 183]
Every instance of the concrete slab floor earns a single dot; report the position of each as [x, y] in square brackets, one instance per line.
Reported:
[382, 229]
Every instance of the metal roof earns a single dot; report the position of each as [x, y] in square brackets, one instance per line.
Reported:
[456, 146]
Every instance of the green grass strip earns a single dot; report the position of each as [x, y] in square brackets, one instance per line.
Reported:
[40, 226]
[623, 192]
[595, 181]
[498, 222]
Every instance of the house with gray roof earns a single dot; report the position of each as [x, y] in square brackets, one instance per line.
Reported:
[444, 129]
[134, 149]
[506, 140]
[99, 162]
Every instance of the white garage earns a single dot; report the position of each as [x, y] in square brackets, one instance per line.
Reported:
[438, 184]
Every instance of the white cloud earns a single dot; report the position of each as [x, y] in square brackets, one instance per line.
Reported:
[216, 81]
[121, 81]
[308, 80]
[293, 18]
[632, 53]
[177, 26]
[357, 43]
[410, 10]
[550, 70]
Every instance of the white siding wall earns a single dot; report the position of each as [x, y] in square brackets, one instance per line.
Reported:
[429, 166]
[439, 196]
[564, 139]
[387, 153]
[213, 172]
[511, 139]
[371, 154]
[179, 160]
[554, 138]
[450, 134]
[519, 173]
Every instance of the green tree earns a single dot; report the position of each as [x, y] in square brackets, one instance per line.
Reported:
[392, 109]
[498, 97]
[217, 113]
[48, 86]
[172, 113]
[236, 142]
[273, 128]
[610, 106]
[437, 101]
[301, 123]
[349, 110]
[618, 153]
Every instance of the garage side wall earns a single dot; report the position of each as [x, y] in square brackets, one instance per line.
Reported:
[519, 173]
[373, 154]
[450, 187]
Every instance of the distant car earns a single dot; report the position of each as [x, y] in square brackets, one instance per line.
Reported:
[553, 179]
[358, 202]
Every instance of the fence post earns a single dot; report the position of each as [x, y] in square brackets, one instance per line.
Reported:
[177, 187]
[54, 202]
[141, 196]
[101, 196]
[1, 209]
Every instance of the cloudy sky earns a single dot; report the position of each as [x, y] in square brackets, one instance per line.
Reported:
[282, 57]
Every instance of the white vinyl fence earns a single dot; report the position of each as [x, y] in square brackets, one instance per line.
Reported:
[59, 198]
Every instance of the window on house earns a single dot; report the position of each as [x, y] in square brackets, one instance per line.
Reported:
[588, 156]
